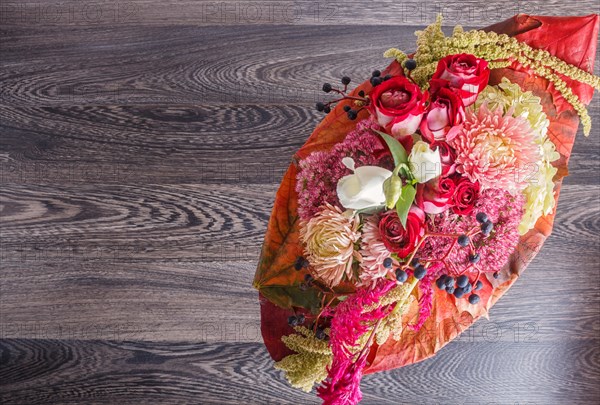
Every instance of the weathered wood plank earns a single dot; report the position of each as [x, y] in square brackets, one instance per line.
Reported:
[149, 144]
[103, 372]
[269, 12]
[184, 222]
[190, 65]
[83, 272]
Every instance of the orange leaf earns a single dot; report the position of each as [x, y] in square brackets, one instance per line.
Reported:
[572, 39]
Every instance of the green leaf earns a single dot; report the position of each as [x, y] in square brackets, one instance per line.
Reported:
[404, 202]
[398, 151]
[289, 296]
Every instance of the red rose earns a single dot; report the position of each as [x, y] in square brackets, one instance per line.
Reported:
[398, 239]
[467, 75]
[465, 196]
[435, 196]
[445, 113]
[398, 105]
[447, 157]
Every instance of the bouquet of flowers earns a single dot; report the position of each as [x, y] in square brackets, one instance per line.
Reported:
[421, 198]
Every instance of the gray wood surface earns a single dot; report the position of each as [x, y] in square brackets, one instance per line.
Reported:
[141, 145]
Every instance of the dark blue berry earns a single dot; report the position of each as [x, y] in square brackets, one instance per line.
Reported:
[462, 281]
[327, 87]
[474, 299]
[441, 282]
[327, 109]
[459, 292]
[449, 281]
[474, 258]
[478, 285]
[376, 73]
[320, 106]
[352, 114]
[300, 263]
[301, 319]
[293, 321]
[308, 278]
[481, 217]
[345, 80]
[410, 64]
[361, 93]
[496, 275]
[347, 108]
[486, 228]
[320, 334]
[414, 261]
[375, 81]
[387, 77]
[387, 262]
[401, 276]
[450, 290]
[463, 240]
[468, 288]
[420, 272]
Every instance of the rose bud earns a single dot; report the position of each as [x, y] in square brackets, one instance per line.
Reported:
[398, 105]
[398, 239]
[435, 196]
[424, 162]
[465, 196]
[467, 75]
[447, 157]
[445, 113]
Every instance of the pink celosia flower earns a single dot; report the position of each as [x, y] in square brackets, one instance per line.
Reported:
[502, 208]
[495, 149]
[349, 323]
[320, 171]
[426, 300]
[329, 239]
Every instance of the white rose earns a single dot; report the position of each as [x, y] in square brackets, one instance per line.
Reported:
[364, 188]
[425, 163]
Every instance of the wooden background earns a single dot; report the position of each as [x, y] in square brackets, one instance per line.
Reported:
[142, 143]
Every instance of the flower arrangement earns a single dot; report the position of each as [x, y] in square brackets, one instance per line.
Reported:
[400, 221]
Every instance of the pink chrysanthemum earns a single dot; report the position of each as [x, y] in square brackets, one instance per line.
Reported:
[502, 208]
[373, 252]
[320, 171]
[495, 149]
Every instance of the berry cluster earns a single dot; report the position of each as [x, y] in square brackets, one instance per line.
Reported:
[461, 285]
[376, 78]
[361, 101]
[419, 271]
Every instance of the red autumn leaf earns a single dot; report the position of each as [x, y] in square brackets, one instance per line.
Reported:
[572, 39]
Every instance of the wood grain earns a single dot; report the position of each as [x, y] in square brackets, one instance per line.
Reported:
[268, 12]
[141, 144]
[185, 66]
[52, 371]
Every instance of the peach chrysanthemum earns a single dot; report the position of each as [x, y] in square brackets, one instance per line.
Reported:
[329, 239]
[496, 149]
